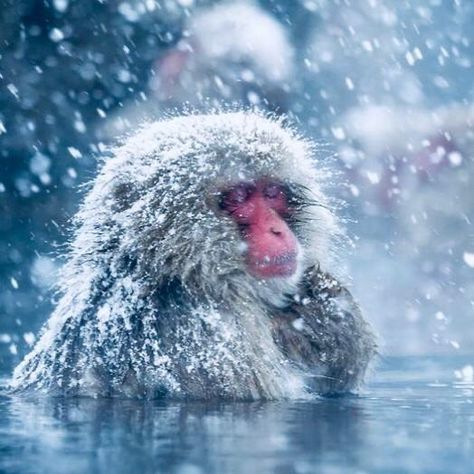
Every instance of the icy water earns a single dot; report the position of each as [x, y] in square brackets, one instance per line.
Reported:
[415, 416]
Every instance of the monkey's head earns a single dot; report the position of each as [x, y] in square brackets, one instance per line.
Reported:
[226, 204]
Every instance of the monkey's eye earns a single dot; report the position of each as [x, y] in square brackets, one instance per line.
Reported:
[236, 196]
[277, 196]
[274, 190]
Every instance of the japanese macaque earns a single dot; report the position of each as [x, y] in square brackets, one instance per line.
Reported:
[199, 271]
[231, 51]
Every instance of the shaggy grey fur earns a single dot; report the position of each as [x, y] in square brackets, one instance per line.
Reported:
[156, 297]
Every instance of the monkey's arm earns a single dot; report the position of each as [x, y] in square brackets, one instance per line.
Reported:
[325, 333]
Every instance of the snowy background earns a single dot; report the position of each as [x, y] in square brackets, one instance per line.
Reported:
[385, 86]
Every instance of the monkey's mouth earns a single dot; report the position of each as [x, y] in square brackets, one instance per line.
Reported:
[282, 265]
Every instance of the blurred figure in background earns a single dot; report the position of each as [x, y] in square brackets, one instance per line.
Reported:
[420, 168]
[381, 83]
[229, 53]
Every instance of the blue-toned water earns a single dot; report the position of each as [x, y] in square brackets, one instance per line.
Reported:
[414, 416]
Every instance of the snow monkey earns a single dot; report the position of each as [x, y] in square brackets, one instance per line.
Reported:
[199, 270]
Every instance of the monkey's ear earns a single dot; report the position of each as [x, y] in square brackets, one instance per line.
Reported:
[214, 199]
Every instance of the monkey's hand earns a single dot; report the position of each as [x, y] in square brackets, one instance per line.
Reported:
[324, 333]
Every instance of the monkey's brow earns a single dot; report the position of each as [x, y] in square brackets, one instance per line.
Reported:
[300, 198]
[300, 195]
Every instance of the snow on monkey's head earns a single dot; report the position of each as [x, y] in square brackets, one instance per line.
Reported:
[222, 201]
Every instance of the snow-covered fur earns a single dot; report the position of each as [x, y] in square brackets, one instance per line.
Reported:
[156, 297]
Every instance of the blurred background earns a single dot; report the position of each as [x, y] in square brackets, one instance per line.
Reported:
[385, 86]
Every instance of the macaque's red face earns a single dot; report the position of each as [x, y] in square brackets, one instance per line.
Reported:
[260, 209]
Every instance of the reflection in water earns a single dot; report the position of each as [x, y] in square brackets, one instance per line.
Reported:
[125, 436]
[414, 418]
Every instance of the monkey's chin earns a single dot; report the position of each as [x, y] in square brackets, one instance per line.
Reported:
[281, 266]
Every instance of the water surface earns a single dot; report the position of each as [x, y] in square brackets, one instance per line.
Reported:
[414, 416]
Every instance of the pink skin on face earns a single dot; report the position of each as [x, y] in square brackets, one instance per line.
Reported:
[259, 210]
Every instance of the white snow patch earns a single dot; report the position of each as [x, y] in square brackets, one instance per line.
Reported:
[465, 374]
[56, 35]
[410, 58]
[468, 258]
[61, 5]
[455, 158]
[298, 324]
[338, 133]
[13, 90]
[355, 191]
[29, 338]
[74, 152]
[367, 45]
[455, 344]
[43, 272]
[373, 177]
